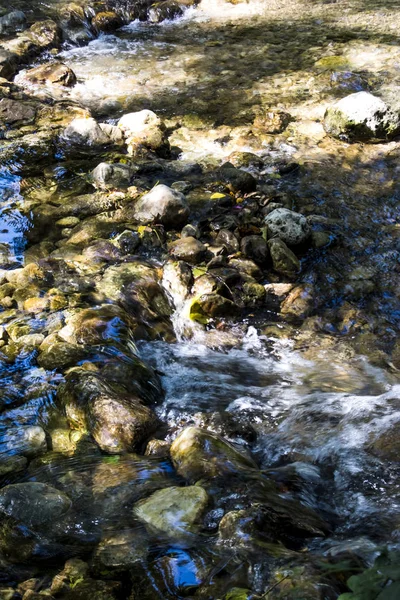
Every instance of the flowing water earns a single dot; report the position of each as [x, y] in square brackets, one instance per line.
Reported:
[318, 401]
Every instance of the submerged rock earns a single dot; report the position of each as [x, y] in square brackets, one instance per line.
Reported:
[106, 176]
[289, 226]
[361, 117]
[173, 511]
[33, 504]
[162, 205]
[199, 454]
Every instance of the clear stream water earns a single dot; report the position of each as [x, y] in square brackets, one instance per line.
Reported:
[312, 406]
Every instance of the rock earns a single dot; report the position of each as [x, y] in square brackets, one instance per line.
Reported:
[361, 117]
[289, 226]
[189, 230]
[118, 422]
[161, 11]
[106, 21]
[120, 550]
[12, 22]
[198, 454]
[177, 280]
[74, 570]
[386, 446]
[284, 261]
[106, 176]
[245, 267]
[29, 441]
[85, 132]
[238, 179]
[162, 205]
[228, 239]
[33, 504]
[144, 129]
[188, 249]
[272, 121]
[15, 112]
[56, 74]
[46, 34]
[157, 448]
[300, 302]
[8, 63]
[213, 306]
[127, 241]
[255, 248]
[173, 511]
[346, 81]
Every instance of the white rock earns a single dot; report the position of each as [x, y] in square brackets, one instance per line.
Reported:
[361, 117]
[85, 132]
[287, 225]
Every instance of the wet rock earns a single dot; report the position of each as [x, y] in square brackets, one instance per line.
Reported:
[188, 249]
[56, 74]
[245, 160]
[177, 280]
[161, 11]
[228, 239]
[127, 241]
[8, 63]
[245, 267]
[212, 306]
[157, 448]
[299, 303]
[348, 82]
[255, 248]
[32, 503]
[106, 21]
[386, 446]
[118, 422]
[114, 133]
[12, 464]
[74, 570]
[177, 573]
[199, 454]
[254, 293]
[137, 287]
[361, 117]
[289, 226]
[56, 354]
[284, 261]
[173, 511]
[85, 132]
[107, 176]
[120, 551]
[162, 205]
[238, 179]
[12, 22]
[144, 129]
[46, 34]
[15, 112]
[272, 121]
[29, 441]
[190, 230]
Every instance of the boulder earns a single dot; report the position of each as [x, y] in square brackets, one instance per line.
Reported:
[199, 454]
[177, 280]
[361, 117]
[173, 511]
[284, 261]
[56, 74]
[162, 205]
[85, 132]
[29, 441]
[289, 226]
[32, 503]
[237, 179]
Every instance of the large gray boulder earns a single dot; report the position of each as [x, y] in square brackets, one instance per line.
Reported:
[289, 226]
[162, 205]
[361, 117]
[12, 22]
